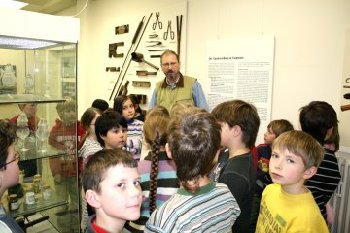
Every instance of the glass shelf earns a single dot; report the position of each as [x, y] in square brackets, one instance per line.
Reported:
[32, 153]
[40, 205]
[27, 98]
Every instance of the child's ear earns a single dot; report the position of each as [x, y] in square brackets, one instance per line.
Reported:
[308, 173]
[92, 198]
[167, 150]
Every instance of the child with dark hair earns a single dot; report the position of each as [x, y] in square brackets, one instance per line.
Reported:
[124, 105]
[199, 205]
[110, 130]
[139, 113]
[287, 205]
[112, 187]
[158, 172]
[100, 104]
[273, 130]
[88, 146]
[9, 172]
[240, 125]
[319, 119]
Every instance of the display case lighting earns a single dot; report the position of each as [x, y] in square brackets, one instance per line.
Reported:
[8, 42]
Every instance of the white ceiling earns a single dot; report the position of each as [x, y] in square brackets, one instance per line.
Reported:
[48, 6]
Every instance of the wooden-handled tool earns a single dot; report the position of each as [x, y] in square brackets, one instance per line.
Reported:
[145, 73]
[345, 107]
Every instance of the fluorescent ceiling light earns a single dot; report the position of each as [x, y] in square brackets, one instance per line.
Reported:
[7, 42]
[12, 4]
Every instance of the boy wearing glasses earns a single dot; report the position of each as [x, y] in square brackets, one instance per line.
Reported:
[176, 87]
[9, 172]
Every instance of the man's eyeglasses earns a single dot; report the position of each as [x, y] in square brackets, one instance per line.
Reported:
[16, 159]
[172, 64]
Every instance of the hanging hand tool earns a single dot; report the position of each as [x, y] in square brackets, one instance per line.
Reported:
[145, 73]
[169, 31]
[138, 57]
[157, 23]
[179, 28]
[113, 50]
[141, 84]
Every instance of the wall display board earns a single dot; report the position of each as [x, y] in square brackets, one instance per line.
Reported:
[135, 54]
[242, 68]
[344, 123]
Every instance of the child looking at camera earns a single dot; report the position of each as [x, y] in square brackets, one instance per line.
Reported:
[287, 205]
[123, 104]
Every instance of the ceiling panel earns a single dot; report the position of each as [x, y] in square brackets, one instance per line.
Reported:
[48, 6]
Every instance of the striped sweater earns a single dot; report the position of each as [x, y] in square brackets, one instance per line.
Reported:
[212, 209]
[135, 137]
[167, 185]
[325, 181]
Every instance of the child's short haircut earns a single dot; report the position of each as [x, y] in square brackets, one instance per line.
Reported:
[317, 118]
[301, 144]
[157, 110]
[100, 162]
[100, 104]
[280, 126]
[69, 104]
[108, 121]
[239, 112]
[179, 108]
[194, 140]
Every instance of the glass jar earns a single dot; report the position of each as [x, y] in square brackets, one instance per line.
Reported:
[47, 192]
[13, 202]
[30, 196]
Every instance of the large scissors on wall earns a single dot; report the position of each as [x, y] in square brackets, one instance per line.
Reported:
[169, 31]
[157, 23]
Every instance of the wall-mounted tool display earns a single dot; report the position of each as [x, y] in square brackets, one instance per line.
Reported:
[122, 29]
[141, 84]
[169, 32]
[112, 51]
[157, 23]
[145, 73]
[178, 31]
[138, 57]
[112, 69]
[134, 48]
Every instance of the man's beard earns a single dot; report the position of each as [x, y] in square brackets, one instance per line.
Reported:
[172, 77]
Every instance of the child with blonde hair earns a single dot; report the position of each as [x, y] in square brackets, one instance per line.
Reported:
[158, 172]
[287, 205]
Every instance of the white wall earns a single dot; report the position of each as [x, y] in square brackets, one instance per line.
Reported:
[309, 44]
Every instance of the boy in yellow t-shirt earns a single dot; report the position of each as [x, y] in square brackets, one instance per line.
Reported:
[287, 205]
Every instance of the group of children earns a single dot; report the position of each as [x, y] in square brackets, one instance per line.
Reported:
[203, 172]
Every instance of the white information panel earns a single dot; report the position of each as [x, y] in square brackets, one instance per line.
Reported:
[242, 68]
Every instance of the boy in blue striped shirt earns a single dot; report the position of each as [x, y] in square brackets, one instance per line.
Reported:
[199, 205]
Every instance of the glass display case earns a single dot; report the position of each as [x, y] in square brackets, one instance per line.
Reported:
[38, 93]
